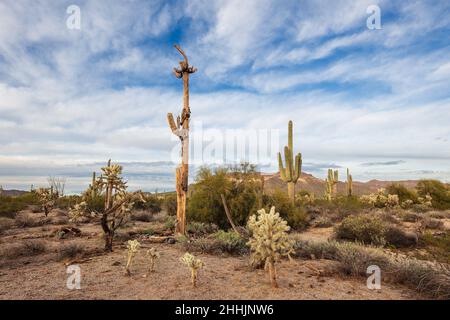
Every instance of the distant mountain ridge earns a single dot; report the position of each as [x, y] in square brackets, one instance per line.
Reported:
[317, 186]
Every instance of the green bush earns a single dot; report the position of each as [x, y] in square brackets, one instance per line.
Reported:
[67, 202]
[296, 216]
[200, 228]
[217, 243]
[9, 206]
[363, 228]
[170, 204]
[437, 190]
[402, 192]
[152, 203]
[241, 187]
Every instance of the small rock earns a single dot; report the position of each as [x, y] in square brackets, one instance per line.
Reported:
[171, 241]
[116, 263]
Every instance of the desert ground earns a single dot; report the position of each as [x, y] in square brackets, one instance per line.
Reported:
[34, 260]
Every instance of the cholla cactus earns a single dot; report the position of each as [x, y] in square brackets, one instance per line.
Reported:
[293, 169]
[133, 247]
[269, 241]
[117, 206]
[47, 199]
[194, 264]
[427, 201]
[153, 255]
[381, 199]
[331, 184]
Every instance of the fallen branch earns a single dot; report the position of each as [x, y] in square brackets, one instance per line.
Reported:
[239, 230]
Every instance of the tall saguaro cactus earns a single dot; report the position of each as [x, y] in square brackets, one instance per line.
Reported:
[180, 128]
[292, 171]
[331, 184]
[349, 183]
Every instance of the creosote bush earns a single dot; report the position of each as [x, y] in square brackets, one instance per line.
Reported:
[194, 264]
[269, 241]
[220, 242]
[438, 191]
[295, 215]
[362, 228]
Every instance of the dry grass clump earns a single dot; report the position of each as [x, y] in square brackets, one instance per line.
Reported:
[5, 224]
[26, 220]
[142, 216]
[322, 222]
[427, 278]
[431, 223]
[217, 243]
[70, 251]
[23, 248]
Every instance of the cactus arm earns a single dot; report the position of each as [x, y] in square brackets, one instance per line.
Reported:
[281, 168]
[298, 167]
[289, 162]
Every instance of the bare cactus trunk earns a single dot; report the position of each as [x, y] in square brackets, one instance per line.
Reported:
[181, 129]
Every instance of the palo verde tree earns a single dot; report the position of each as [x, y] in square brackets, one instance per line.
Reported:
[116, 208]
[293, 169]
[180, 128]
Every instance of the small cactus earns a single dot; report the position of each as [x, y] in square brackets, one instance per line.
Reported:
[153, 255]
[133, 247]
[269, 241]
[194, 264]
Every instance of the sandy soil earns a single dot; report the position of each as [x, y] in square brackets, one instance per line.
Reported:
[224, 277]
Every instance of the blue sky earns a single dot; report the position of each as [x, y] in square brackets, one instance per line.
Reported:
[377, 101]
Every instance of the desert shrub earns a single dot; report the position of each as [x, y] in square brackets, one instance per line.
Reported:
[411, 217]
[430, 279]
[9, 206]
[430, 223]
[26, 220]
[59, 220]
[142, 216]
[152, 203]
[66, 202]
[5, 224]
[169, 223]
[220, 242]
[69, 251]
[439, 192]
[438, 214]
[170, 204]
[402, 192]
[296, 216]
[439, 245]
[122, 236]
[238, 184]
[322, 222]
[200, 228]
[23, 249]
[399, 238]
[363, 228]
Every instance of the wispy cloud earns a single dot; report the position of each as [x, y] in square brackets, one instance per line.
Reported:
[70, 97]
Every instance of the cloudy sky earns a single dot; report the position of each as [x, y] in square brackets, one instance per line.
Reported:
[377, 101]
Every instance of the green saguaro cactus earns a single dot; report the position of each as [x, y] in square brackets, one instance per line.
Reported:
[292, 171]
[349, 183]
[331, 184]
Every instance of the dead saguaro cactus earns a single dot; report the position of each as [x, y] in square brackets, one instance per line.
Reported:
[180, 128]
